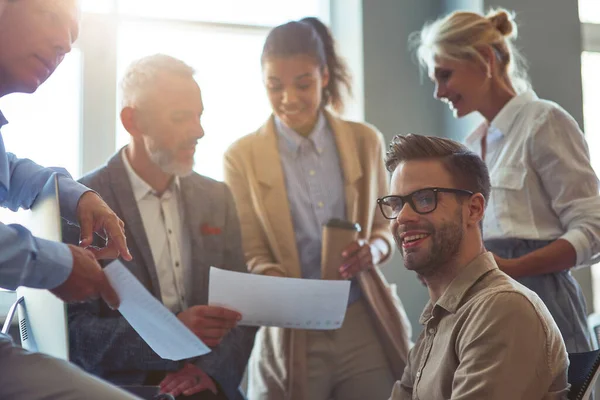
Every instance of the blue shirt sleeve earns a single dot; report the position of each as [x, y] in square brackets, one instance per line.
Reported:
[29, 261]
[27, 180]
[26, 260]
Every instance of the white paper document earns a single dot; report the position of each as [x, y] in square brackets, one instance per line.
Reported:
[158, 326]
[283, 302]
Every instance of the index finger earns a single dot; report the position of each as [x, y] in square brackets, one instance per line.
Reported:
[222, 313]
[86, 231]
[106, 253]
[351, 249]
[116, 237]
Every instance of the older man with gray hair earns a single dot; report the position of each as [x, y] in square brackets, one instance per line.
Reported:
[180, 224]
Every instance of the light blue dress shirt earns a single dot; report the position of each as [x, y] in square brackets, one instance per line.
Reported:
[315, 189]
[24, 259]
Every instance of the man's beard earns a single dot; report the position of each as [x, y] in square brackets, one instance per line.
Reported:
[445, 244]
[165, 159]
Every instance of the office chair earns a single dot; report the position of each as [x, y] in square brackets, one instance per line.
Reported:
[583, 373]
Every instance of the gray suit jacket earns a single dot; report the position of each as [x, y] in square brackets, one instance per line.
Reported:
[102, 342]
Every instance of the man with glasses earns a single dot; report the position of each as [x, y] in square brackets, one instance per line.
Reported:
[485, 335]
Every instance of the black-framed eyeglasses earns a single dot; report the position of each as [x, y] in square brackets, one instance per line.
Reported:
[423, 201]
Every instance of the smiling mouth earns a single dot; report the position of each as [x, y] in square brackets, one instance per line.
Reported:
[414, 240]
[291, 112]
[48, 65]
[452, 103]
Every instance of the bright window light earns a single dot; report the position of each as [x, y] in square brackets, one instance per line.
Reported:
[589, 11]
[45, 126]
[227, 62]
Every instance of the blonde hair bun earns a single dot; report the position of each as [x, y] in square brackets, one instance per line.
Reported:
[503, 21]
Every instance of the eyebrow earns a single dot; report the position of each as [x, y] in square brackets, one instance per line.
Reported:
[184, 112]
[299, 77]
[306, 75]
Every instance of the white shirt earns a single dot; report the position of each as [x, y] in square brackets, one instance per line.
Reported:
[169, 242]
[543, 186]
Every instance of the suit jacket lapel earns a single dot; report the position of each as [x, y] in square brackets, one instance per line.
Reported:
[274, 198]
[137, 239]
[197, 204]
[350, 160]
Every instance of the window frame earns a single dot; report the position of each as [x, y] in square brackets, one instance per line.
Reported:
[98, 135]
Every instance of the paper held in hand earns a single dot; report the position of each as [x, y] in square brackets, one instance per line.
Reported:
[283, 302]
[158, 326]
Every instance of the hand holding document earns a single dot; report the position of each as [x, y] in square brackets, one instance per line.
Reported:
[163, 332]
[284, 302]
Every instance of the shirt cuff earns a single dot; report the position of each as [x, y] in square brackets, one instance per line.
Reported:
[581, 244]
[70, 192]
[53, 264]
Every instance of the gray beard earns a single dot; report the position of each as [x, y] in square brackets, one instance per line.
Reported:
[165, 161]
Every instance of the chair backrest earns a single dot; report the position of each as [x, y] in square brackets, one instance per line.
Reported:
[583, 372]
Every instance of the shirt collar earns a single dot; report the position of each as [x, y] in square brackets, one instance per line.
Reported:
[458, 288]
[293, 140]
[139, 186]
[504, 119]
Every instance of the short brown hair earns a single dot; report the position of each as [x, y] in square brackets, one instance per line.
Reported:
[467, 168]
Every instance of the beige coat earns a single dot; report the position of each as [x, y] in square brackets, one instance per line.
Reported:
[254, 173]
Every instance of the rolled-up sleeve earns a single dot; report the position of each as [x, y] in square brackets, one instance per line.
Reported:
[561, 158]
[24, 259]
[29, 261]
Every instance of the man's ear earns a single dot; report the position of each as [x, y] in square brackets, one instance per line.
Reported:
[130, 118]
[476, 209]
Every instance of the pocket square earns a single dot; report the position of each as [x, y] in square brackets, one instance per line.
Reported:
[207, 229]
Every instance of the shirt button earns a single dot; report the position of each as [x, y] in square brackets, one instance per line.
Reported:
[170, 231]
[320, 204]
[312, 172]
[418, 374]
[177, 263]
[432, 331]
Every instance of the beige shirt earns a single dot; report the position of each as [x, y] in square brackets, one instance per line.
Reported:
[543, 186]
[487, 337]
[162, 217]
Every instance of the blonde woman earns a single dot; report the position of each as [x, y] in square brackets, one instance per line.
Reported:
[304, 166]
[543, 217]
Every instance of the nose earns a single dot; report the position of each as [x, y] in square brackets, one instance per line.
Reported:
[62, 39]
[439, 91]
[198, 131]
[289, 96]
[407, 214]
